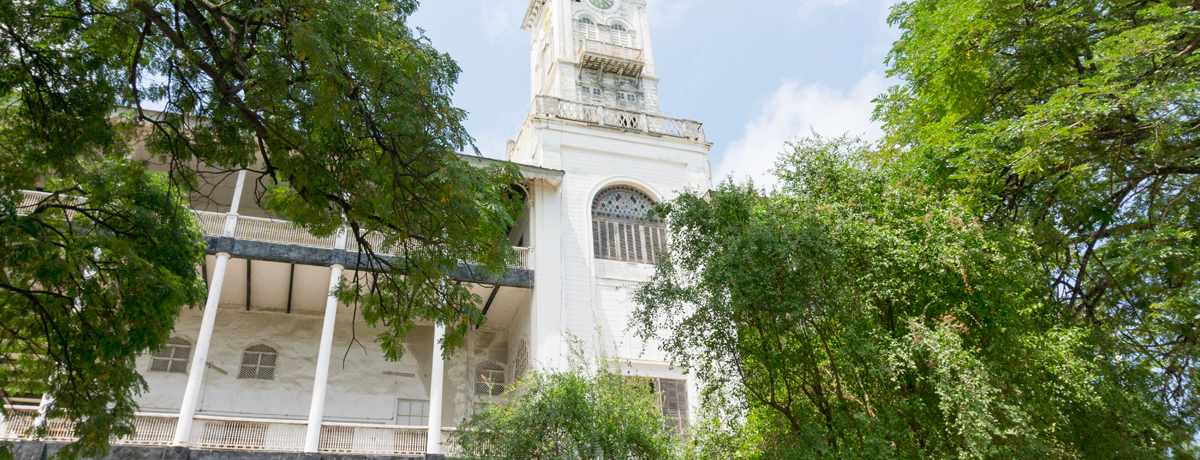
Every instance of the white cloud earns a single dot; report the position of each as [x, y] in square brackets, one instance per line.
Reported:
[795, 110]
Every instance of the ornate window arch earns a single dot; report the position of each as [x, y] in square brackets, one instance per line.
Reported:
[622, 227]
[489, 379]
[521, 363]
[173, 357]
[258, 363]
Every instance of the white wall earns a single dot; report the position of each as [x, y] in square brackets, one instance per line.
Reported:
[590, 294]
[359, 390]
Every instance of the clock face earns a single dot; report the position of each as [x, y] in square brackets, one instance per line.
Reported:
[603, 4]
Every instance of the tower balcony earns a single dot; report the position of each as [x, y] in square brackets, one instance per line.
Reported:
[552, 107]
[607, 57]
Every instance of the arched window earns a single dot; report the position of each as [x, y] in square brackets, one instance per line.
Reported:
[258, 363]
[586, 21]
[618, 27]
[622, 228]
[521, 364]
[172, 357]
[489, 379]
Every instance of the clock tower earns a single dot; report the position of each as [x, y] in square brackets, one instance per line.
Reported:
[593, 52]
[595, 119]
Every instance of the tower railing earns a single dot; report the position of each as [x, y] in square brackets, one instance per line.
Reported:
[549, 106]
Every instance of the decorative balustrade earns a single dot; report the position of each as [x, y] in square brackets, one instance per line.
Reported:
[31, 199]
[279, 231]
[245, 434]
[223, 433]
[212, 223]
[606, 116]
[382, 439]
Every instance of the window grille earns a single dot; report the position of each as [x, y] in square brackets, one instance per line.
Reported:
[489, 379]
[411, 412]
[618, 27]
[521, 363]
[672, 395]
[173, 357]
[622, 228]
[258, 363]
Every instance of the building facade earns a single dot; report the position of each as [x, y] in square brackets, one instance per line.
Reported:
[273, 362]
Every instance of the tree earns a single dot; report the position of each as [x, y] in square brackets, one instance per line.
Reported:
[586, 412]
[343, 108]
[858, 313]
[1079, 121]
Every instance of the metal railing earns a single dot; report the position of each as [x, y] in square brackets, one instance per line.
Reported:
[279, 231]
[382, 439]
[606, 116]
[222, 433]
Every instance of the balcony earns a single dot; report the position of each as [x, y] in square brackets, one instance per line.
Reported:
[607, 57]
[223, 433]
[283, 232]
[272, 231]
[553, 107]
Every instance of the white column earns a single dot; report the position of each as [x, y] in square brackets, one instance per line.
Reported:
[316, 411]
[191, 396]
[436, 377]
[43, 409]
[3, 426]
[231, 218]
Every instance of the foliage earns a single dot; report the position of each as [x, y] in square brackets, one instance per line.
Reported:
[89, 277]
[859, 313]
[583, 413]
[343, 108]
[1079, 120]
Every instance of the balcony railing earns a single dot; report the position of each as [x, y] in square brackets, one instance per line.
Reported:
[271, 231]
[222, 433]
[607, 116]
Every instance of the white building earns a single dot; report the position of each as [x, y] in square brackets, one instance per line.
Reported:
[270, 364]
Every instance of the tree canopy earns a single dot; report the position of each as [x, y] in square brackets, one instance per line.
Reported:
[343, 108]
[1010, 273]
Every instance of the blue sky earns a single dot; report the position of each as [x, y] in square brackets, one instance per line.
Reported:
[755, 72]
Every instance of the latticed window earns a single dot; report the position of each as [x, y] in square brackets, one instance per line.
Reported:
[172, 357]
[622, 228]
[521, 363]
[489, 379]
[258, 363]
